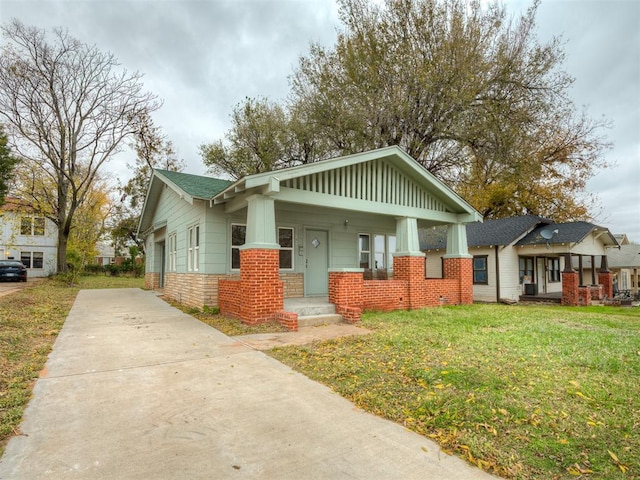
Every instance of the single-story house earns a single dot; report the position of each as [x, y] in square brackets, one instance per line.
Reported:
[527, 256]
[344, 228]
[28, 236]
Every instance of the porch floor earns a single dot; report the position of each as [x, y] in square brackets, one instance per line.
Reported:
[553, 297]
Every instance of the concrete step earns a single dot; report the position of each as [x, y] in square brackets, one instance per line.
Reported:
[315, 320]
[307, 307]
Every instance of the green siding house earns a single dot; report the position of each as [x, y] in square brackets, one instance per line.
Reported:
[309, 230]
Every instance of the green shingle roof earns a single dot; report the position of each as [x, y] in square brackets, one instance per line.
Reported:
[196, 185]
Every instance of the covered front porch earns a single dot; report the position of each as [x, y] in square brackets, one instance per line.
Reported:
[337, 210]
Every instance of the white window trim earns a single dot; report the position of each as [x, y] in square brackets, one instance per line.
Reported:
[232, 246]
[291, 248]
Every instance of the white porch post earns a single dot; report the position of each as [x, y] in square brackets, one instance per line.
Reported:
[457, 241]
[261, 223]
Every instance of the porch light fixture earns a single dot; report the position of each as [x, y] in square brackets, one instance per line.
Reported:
[346, 222]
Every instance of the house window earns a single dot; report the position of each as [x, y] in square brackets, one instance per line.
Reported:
[382, 253]
[32, 259]
[480, 276]
[238, 236]
[364, 250]
[285, 239]
[553, 267]
[193, 248]
[173, 252]
[32, 226]
[526, 269]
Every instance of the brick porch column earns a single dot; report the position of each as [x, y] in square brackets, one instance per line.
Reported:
[458, 264]
[461, 269]
[569, 283]
[411, 269]
[262, 290]
[605, 278]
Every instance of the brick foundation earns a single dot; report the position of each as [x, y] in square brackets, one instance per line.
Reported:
[152, 280]
[193, 289]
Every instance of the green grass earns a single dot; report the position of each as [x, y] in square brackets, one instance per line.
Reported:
[521, 391]
[30, 320]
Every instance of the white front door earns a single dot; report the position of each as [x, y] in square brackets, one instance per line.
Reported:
[316, 275]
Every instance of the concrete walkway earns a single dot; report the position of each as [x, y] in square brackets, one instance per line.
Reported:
[136, 389]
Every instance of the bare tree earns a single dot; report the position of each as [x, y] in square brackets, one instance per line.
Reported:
[67, 108]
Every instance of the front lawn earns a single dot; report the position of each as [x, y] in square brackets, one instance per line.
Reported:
[521, 391]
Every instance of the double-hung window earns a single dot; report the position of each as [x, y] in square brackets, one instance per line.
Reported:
[173, 250]
[480, 276]
[285, 239]
[526, 269]
[238, 238]
[193, 248]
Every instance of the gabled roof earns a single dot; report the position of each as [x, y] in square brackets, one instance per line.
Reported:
[186, 185]
[520, 230]
[387, 181]
[568, 232]
[195, 186]
[627, 257]
[503, 231]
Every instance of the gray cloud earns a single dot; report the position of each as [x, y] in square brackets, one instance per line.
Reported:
[204, 56]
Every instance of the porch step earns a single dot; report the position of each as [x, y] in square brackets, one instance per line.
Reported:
[315, 320]
[310, 306]
[313, 311]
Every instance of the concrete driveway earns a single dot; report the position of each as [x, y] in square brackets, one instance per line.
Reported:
[136, 389]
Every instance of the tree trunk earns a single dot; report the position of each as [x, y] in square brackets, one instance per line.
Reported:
[63, 238]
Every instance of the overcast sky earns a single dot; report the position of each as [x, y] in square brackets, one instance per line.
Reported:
[202, 57]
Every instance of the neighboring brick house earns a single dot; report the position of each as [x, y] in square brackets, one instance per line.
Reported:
[29, 237]
[526, 257]
[345, 228]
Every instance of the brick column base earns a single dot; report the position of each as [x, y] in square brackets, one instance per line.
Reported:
[606, 280]
[411, 269]
[262, 290]
[461, 269]
[570, 288]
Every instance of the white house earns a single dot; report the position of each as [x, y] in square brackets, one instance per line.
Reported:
[28, 237]
[525, 257]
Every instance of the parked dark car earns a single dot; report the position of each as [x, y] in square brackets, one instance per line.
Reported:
[12, 271]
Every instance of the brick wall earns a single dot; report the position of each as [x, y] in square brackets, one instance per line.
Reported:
[193, 289]
[262, 290]
[606, 280]
[570, 288]
[230, 298]
[152, 280]
[345, 289]
[293, 284]
[461, 270]
[412, 271]
[385, 295]
[584, 295]
[442, 291]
